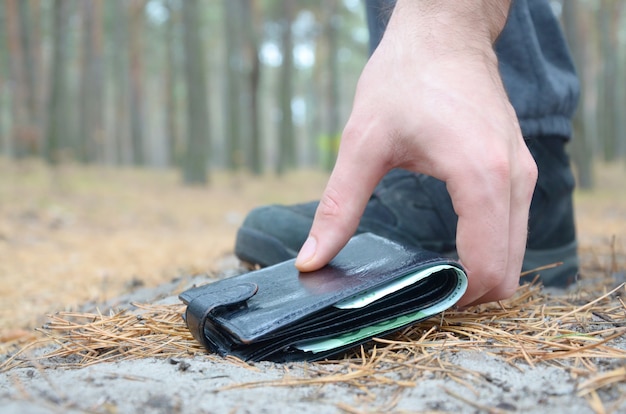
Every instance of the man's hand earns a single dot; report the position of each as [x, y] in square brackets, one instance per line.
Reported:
[431, 100]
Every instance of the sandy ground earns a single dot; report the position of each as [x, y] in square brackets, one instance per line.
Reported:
[158, 386]
[471, 380]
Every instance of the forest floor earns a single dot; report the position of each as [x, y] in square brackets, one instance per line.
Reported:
[81, 237]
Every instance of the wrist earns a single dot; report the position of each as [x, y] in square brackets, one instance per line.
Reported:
[446, 26]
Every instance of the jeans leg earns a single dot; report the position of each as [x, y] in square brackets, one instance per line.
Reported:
[378, 12]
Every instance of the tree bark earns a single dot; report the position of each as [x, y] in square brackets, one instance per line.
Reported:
[30, 76]
[250, 20]
[171, 108]
[232, 92]
[24, 136]
[582, 154]
[40, 86]
[57, 102]
[608, 98]
[195, 168]
[5, 142]
[121, 84]
[620, 87]
[91, 122]
[136, 80]
[286, 150]
[5, 145]
[332, 103]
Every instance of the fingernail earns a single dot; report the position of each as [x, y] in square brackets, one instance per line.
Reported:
[307, 251]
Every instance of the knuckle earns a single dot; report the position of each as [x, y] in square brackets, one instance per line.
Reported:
[496, 284]
[532, 171]
[329, 206]
[503, 292]
[500, 169]
[526, 178]
[334, 213]
[491, 276]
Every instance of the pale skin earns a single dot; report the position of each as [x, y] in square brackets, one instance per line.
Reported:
[431, 100]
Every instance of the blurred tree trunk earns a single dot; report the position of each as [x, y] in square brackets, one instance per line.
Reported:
[195, 169]
[332, 103]
[5, 145]
[608, 97]
[39, 79]
[57, 102]
[315, 110]
[232, 92]
[171, 109]
[91, 89]
[24, 138]
[250, 20]
[28, 30]
[582, 153]
[620, 104]
[5, 141]
[121, 83]
[136, 13]
[286, 149]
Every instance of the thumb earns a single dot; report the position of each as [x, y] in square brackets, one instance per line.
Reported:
[339, 211]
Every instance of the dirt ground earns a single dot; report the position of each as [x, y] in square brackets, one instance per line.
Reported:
[90, 235]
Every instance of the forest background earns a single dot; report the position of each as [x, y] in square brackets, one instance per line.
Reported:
[257, 85]
[135, 135]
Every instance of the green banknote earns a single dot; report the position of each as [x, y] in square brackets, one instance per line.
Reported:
[325, 344]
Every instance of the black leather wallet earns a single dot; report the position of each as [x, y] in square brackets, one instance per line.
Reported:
[371, 288]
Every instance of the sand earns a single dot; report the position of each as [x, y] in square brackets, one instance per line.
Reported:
[469, 380]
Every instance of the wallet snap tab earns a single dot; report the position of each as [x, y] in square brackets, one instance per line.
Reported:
[201, 302]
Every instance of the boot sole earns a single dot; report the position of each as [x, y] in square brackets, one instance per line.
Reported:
[273, 251]
[559, 272]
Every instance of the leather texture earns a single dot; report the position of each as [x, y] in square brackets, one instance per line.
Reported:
[260, 315]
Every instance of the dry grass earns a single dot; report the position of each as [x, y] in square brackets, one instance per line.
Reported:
[574, 332]
[90, 234]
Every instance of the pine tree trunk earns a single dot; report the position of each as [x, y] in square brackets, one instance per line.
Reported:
[620, 86]
[171, 108]
[582, 154]
[232, 92]
[57, 102]
[250, 20]
[136, 81]
[22, 136]
[606, 105]
[91, 122]
[195, 169]
[121, 70]
[286, 150]
[332, 103]
[30, 78]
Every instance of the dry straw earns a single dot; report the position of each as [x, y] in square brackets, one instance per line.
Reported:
[573, 332]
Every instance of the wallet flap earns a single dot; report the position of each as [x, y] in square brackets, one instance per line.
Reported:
[203, 300]
[286, 296]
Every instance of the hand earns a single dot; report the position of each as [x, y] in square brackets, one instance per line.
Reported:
[431, 100]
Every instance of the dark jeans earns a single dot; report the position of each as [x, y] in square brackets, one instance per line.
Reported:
[534, 60]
